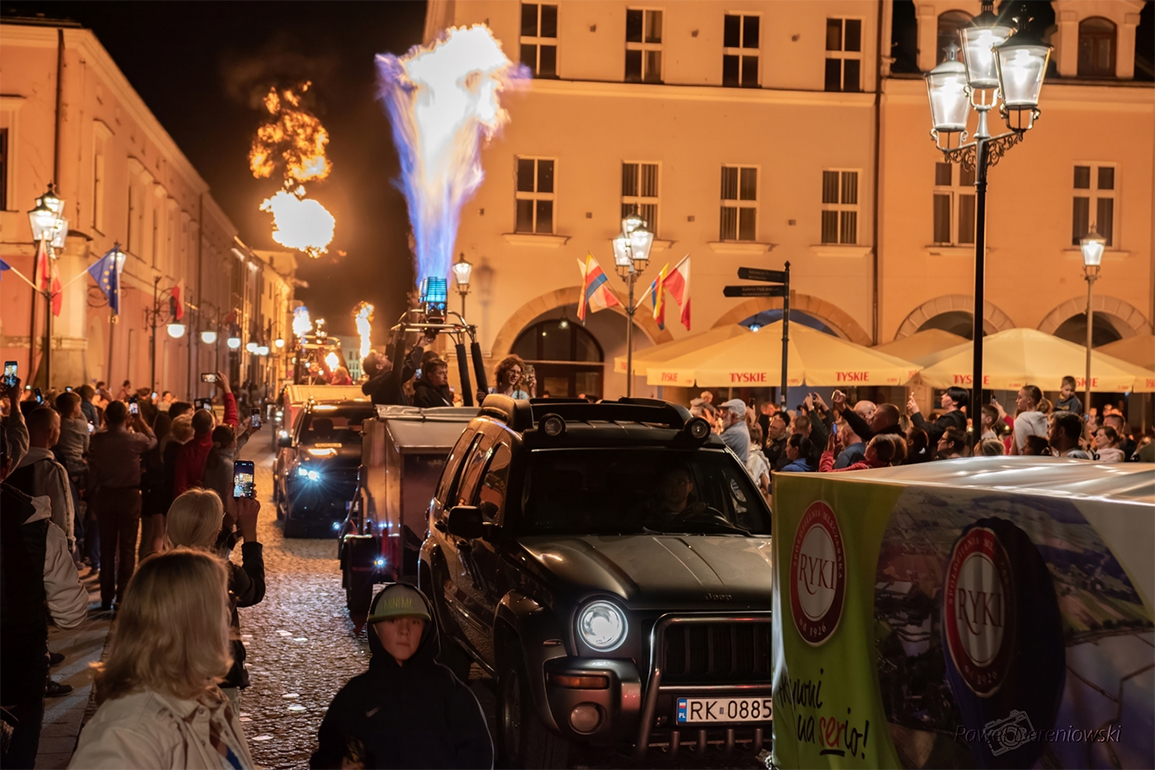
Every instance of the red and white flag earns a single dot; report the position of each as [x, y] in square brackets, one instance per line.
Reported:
[677, 281]
[49, 278]
[178, 300]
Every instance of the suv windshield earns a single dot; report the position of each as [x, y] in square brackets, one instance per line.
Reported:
[333, 427]
[628, 491]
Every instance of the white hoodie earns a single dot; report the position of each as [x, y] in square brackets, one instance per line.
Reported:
[67, 597]
[52, 479]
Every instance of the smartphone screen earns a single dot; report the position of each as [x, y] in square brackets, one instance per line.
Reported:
[39, 396]
[208, 377]
[256, 417]
[91, 429]
[244, 484]
[133, 408]
[10, 369]
[68, 389]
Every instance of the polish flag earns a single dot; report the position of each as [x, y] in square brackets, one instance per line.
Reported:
[50, 279]
[677, 281]
[178, 300]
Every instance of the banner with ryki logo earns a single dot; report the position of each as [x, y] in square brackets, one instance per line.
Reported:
[917, 625]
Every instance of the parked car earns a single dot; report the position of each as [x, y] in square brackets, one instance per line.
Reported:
[315, 474]
[609, 565]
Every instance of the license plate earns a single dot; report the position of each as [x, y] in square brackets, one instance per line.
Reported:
[707, 710]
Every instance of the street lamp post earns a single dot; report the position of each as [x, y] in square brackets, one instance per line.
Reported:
[462, 273]
[49, 229]
[631, 255]
[175, 328]
[996, 68]
[1092, 245]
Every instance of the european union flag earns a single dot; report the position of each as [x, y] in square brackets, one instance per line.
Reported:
[106, 272]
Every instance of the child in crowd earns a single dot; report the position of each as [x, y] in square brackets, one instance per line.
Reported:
[73, 442]
[1068, 401]
[407, 710]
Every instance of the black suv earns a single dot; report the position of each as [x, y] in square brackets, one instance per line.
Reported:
[609, 564]
[315, 474]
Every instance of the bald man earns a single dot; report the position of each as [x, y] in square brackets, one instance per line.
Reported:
[39, 475]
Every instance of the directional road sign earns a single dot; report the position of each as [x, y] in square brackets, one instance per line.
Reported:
[758, 274]
[755, 291]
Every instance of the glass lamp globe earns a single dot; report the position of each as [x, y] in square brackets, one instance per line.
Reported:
[641, 240]
[208, 336]
[1092, 245]
[234, 343]
[176, 330]
[251, 346]
[946, 89]
[979, 39]
[462, 272]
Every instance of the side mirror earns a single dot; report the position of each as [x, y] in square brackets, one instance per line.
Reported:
[466, 522]
[285, 442]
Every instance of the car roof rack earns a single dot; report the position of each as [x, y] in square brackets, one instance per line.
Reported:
[522, 415]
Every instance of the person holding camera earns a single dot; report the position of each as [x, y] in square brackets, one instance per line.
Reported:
[953, 402]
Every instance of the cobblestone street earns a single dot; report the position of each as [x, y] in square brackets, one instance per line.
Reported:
[301, 644]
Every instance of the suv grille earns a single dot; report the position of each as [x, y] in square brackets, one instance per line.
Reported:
[708, 653]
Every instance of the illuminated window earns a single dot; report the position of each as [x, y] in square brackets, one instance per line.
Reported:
[640, 192]
[739, 221]
[1094, 202]
[954, 204]
[949, 24]
[843, 54]
[740, 56]
[3, 169]
[539, 39]
[1096, 48]
[643, 46]
[840, 207]
[535, 195]
[100, 137]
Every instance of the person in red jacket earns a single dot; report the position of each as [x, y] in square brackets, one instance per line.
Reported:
[190, 460]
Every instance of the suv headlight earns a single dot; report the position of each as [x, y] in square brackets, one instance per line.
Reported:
[602, 625]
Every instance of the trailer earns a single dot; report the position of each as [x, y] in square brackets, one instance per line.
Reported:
[403, 450]
[981, 612]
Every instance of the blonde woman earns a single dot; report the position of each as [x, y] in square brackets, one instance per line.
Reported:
[194, 521]
[160, 706]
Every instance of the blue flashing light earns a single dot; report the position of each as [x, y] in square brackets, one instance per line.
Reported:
[302, 471]
[314, 476]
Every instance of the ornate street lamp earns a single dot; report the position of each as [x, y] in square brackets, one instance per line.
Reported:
[176, 330]
[49, 229]
[1092, 245]
[631, 255]
[462, 274]
[234, 342]
[999, 66]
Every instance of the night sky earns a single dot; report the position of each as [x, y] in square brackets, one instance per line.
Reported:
[203, 67]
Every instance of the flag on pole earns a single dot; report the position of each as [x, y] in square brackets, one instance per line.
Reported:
[595, 294]
[50, 278]
[106, 272]
[4, 267]
[678, 283]
[178, 300]
[657, 296]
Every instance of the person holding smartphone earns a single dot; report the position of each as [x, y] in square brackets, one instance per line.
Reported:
[190, 461]
[218, 476]
[114, 485]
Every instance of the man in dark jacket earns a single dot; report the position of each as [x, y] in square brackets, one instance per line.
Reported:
[432, 388]
[953, 401]
[884, 419]
[407, 710]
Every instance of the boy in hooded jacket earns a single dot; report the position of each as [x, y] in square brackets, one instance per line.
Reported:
[407, 710]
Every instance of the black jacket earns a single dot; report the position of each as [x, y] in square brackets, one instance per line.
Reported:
[859, 426]
[246, 588]
[427, 396]
[418, 715]
[934, 430]
[23, 612]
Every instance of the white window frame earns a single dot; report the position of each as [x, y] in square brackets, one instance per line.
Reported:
[645, 47]
[520, 195]
[1094, 194]
[956, 191]
[842, 207]
[743, 52]
[639, 202]
[538, 41]
[738, 204]
[843, 55]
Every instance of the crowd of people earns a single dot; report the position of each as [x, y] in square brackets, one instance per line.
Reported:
[138, 490]
[823, 438]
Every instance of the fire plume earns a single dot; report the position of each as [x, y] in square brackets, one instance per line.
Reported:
[294, 136]
[300, 223]
[363, 317]
[302, 324]
[443, 103]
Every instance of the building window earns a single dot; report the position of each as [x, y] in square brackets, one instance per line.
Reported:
[640, 192]
[100, 136]
[843, 54]
[740, 57]
[535, 195]
[954, 205]
[539, 39]
[840, 207]
[3, 169]
[130, 234]
[949, 24]
[1096, 48]
[643, 46]
[739, 203]
[1095, 187]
